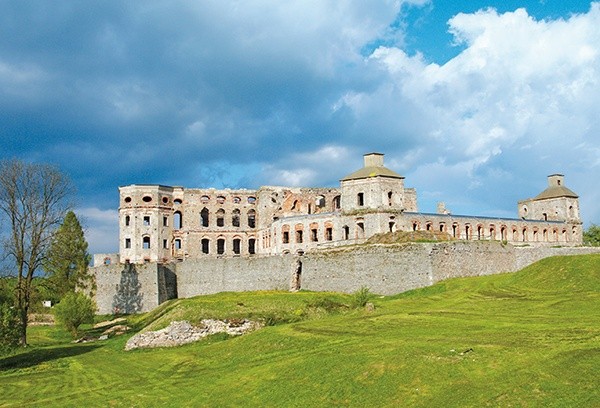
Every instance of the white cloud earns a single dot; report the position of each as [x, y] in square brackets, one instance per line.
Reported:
[519, 82]
[101, 228]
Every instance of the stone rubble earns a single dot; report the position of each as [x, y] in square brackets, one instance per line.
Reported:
[182, 332]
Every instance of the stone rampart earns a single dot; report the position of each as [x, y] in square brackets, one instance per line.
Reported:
[384, 269]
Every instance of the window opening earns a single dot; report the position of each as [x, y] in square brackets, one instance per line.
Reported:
[328, 233]
[346, 230]
[360, 231]
[220, 218]
[235, 218]
[165, 244]
[204, 217]
[390, 198]
[146, 221]
[178, 244]
[286, 237]
[165, 221]
[127, 243]
[299, 236]
[177, 220]
[220, 246]
[314, 235]
[252, 219]
[336, 202]
[127, 220]
[361, 199]
[237, 246]
[251, 246]
[146, 242]
[205, 246]
[147, 199]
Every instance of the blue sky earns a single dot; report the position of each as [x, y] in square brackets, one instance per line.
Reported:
[475, 102]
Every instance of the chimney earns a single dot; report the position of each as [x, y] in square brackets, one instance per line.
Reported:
[373, 160]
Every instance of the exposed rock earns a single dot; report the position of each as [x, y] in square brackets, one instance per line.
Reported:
[109, 322]
[116, 330]
[182, 332]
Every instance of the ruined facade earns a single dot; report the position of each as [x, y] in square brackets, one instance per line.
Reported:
[168, 224]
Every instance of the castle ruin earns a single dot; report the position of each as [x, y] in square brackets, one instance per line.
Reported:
[190, 231]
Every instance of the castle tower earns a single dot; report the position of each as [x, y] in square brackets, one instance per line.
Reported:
[555, 203]
[374, 187]
[145, 223]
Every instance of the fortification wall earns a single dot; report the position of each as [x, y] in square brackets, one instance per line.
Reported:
[384, 269]
[132, 288]
[212, 275]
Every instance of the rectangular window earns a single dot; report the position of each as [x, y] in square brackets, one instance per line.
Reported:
[177, 244]
[165, 221]
[165, 244]
[329, 234]
[237, 246]
[361, 199]
[251, 246]
[299, 236]
[127, 243]
[146, 221]
[286, 237]
[313, 235]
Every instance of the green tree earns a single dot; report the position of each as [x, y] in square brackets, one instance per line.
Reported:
[9, 327]
[67, 260]
[33, 201]
[592, 236]
[74, 310]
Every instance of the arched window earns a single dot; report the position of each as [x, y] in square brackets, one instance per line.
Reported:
[177, 220]
[220, 246]
[220, 217]
[252, 219]
[336, 202]
[251, 246]
[204, 217]
[146, 242]
[237, 246]
[127, 220]
[205, 245]
[235, 218]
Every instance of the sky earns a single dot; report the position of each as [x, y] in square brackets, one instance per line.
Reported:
[475, 102]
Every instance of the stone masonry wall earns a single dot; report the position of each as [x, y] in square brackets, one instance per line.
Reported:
[212, 275]
[384, 269]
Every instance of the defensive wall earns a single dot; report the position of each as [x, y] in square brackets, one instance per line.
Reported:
[384, 269]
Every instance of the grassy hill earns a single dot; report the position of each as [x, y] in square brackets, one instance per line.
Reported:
[530, 338]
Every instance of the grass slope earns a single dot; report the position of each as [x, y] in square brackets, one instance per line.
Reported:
[530, 338]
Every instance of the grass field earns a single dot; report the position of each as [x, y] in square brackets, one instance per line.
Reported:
[528, 339]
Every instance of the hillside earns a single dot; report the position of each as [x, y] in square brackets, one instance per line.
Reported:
[530, 338]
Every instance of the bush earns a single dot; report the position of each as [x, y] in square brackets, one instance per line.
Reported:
[591, 237]
[361, 297]
[9, 327]
[74, 310]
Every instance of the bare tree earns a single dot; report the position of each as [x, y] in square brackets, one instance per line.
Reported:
[33, 201]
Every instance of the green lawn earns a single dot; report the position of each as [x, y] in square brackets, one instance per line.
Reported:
[529, 339]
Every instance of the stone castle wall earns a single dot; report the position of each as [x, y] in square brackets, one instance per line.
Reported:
[384, 269]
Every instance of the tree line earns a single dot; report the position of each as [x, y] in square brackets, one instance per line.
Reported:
[40, 235]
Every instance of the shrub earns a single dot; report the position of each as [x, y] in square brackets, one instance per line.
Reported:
[9, 327]
[74, 310]
[361, 297]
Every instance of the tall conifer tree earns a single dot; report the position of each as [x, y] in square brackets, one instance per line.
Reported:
[67, 260]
